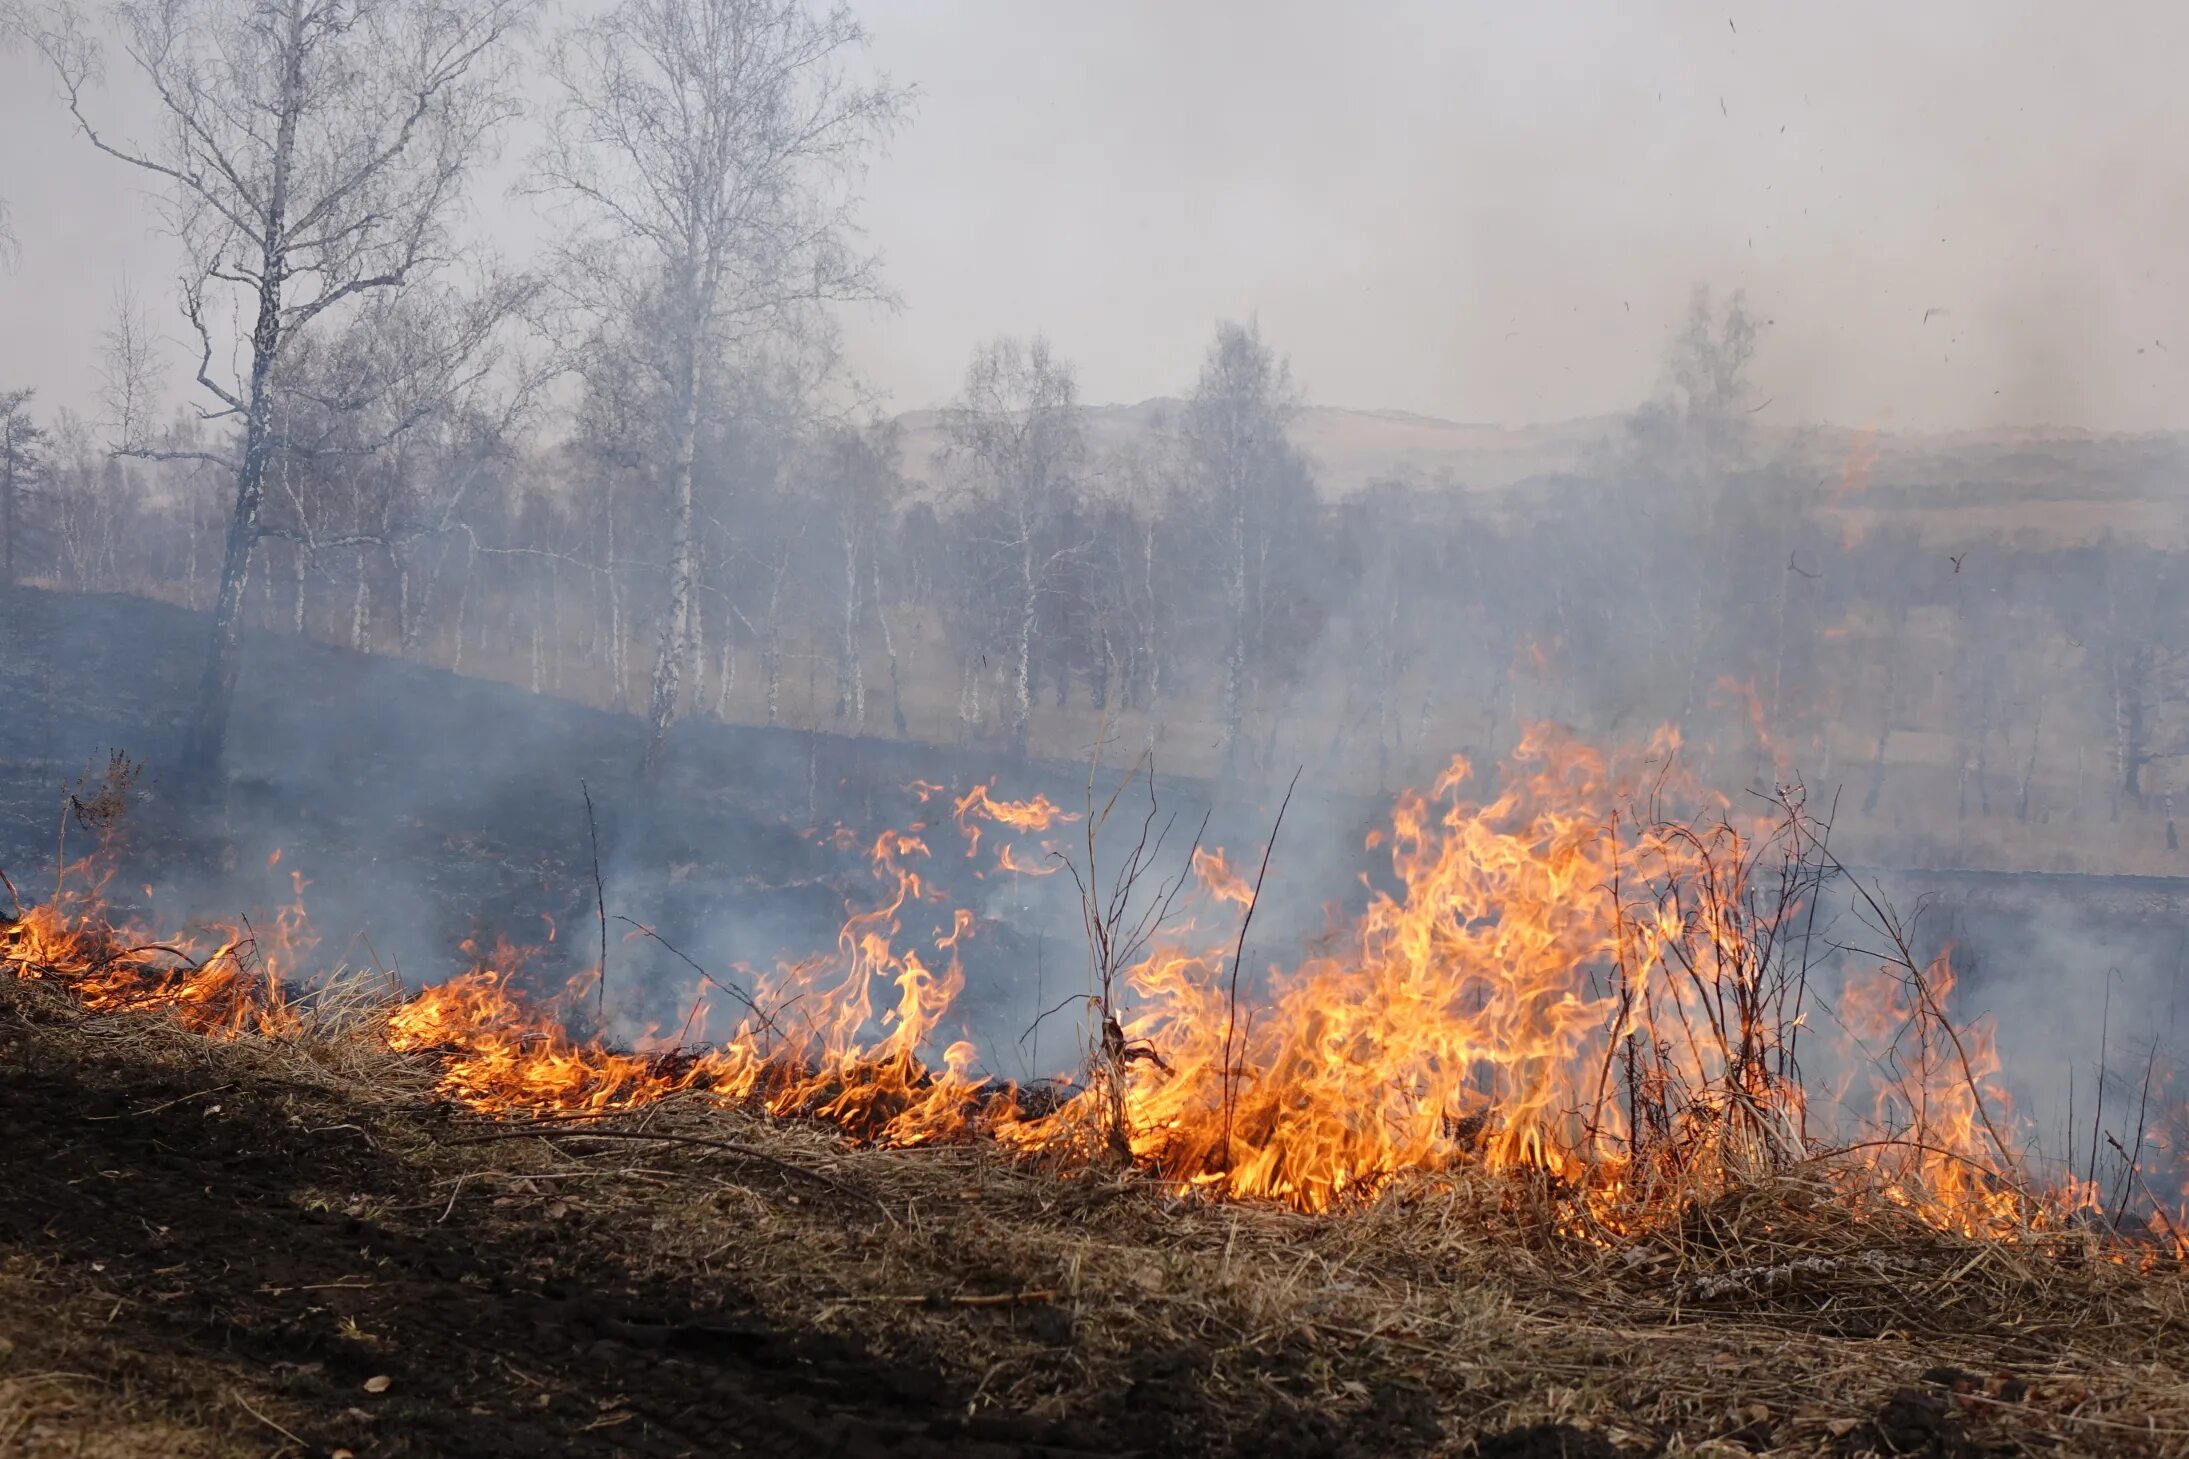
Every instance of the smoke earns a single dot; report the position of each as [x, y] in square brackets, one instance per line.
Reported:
[1474, 213]
[1492, 215]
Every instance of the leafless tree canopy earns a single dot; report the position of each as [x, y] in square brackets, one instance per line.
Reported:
[708, 151]
[310, 154]
[644, 475]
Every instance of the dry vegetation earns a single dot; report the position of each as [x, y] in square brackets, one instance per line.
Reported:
[1086, 1303]
[237, 1233]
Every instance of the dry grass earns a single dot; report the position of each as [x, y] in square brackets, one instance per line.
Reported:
[66, 1389]
[1445, 1297]
[1447, 1310]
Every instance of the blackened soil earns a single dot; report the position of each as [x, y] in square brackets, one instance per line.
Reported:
[1546, 1441]
[254, 1235]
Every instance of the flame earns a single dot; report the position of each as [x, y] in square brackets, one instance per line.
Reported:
[1009, 860]
[227, 980]
[1937, 1108]
[1467, 1017]
[811, 1039]
[1038, 814]
[1547, 981]
[1217, 878]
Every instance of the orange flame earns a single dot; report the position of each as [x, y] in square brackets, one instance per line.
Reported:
[1038, 814]
[225, 981]
[1542, 981]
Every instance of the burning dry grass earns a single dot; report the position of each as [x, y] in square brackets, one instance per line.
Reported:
[1528, 1145]
[1448, 1312]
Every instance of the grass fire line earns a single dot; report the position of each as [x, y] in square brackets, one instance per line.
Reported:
[1560, 988]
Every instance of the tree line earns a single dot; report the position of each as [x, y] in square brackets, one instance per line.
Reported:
[637, 470]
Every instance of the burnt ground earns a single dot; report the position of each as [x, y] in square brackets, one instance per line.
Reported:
[290, 1248]
[219, 1249]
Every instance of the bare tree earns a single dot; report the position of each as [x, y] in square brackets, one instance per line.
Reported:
[1253, 490]
[2123, 604]
[313, 153]
[1693, 439]
[22, 453]
[711, 147]
[129, 367]
[1018, 436]
[854, 471]
[12, 26]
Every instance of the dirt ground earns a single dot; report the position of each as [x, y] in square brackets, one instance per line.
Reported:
[291, 1248]
[237, 1267]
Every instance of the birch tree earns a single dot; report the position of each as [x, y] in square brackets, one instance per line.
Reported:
[1017, 437]
[1695, 439]
[1253, 491]
[22, 456]
[312, 154]
[709, 149]
[854, 471]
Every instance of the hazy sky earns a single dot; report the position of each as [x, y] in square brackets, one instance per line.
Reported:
[1486, 212]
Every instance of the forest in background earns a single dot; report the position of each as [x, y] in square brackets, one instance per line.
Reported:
[1978, 645]
[638, 472]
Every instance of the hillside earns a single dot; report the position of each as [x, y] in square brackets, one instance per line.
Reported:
[1351, 448]
[1952, 484]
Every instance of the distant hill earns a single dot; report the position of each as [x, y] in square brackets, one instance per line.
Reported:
[1350, 448]
[2044, 483]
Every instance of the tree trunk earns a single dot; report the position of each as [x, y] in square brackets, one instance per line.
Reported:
[554, 626]
[2131, 749]
[463, 607]
[1235, 666]
[771, 667]
[2029, 765]
[695, 654]
[1023, 668]
[619, 664]
[676, 629]
[1154, 650]
[850, 677]
[361, 610]
[7, 513]
[223, 662]
[889, 649]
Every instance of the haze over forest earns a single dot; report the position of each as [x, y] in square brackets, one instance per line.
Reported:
[1478, 213]
[1286, 394]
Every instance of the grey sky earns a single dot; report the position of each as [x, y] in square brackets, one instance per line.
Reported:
[1486, 212]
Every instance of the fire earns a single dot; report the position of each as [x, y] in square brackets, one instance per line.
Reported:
[1472, 1015]
[1218, 879]
[811, 1040]
[1038, 814]
[1936, 1102]
[504, 1054]
[1551, 979]
[1013, 861]
[228, 980]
